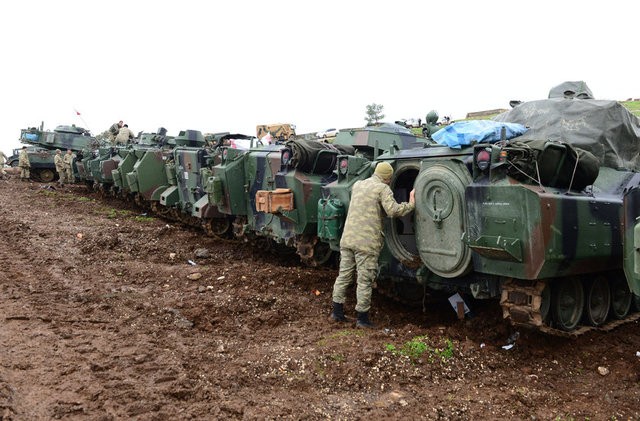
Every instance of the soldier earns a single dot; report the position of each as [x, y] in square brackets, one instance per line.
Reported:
[3, 160]
[24, 164]
[59, 163]
[124, 135]
[68, 161]
[362, 240]
[113, 131]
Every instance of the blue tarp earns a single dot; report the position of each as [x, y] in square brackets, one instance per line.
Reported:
[462, 133]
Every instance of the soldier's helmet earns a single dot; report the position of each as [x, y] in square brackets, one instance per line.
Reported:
[432, 117]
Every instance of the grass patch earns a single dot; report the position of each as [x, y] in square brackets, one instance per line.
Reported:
[358, 333]
[47, 192]
[421, 346]
[347, 332]
[337, 357]
[141, 218]
[633, 106]
[112, 213]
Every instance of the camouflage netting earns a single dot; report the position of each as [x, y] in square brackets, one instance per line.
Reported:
[605, 128]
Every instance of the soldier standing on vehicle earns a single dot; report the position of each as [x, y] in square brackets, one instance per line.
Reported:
[59, 163]
[113, 131]
[68, 162]
[362, 240]
[3, 160]
[124, 135]
[24, 164]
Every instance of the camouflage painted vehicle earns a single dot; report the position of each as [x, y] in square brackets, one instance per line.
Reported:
[547, 226]
[273, 191]
[100, 165]
[371, 141]
[97, 166]
[187, 170]
[142, 173]
[46, 142]
[269, 199]
[279, 132]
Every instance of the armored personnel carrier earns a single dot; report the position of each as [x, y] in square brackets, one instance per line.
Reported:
[46, 142]
[546, 222]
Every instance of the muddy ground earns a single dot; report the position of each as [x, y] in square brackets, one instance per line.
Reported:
[103, 318]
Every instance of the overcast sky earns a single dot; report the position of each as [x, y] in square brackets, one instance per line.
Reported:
[230, 65]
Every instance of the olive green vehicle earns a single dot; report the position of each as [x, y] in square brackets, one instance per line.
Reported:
[272, 192]
[142, 173]
[45, 143]
[187, 170]
[547, 222]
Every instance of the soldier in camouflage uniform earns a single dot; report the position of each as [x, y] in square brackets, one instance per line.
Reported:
[113, 131]
[24, 164]
[362, 240]
[3, 160]
[67, 160]
[124, 135]
[59, 163]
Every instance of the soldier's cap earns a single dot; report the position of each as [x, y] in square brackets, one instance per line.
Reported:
[58, 151]
[384, 170]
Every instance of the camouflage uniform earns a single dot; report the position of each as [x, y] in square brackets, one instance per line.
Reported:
[59, 163]
[113, 131]
[68, 161]
[362, 238]
[24, 164]
[124, 134]
[3, 160]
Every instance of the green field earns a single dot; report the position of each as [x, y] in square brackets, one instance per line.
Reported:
[633, 106]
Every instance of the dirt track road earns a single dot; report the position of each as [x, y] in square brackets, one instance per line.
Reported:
[99, 322]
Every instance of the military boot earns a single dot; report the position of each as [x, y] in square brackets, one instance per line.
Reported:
[363, 321]
[337, 315]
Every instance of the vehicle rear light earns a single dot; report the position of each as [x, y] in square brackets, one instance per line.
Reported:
[286, 157]
[344, 164]
[483, 158]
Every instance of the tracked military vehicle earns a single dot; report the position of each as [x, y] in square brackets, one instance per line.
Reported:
[142, 172]
[272, 192]
[546, 222]
[46, 142]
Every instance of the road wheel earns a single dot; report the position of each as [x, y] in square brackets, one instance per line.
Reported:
[545, 303]
[46, 175]
[620, 297]
[568, 303]
[597, 301]
[321, 255]
[217, 227]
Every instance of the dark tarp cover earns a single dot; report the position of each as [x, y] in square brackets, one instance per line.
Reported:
[604, 128]
[316, 157]
[577, 89]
